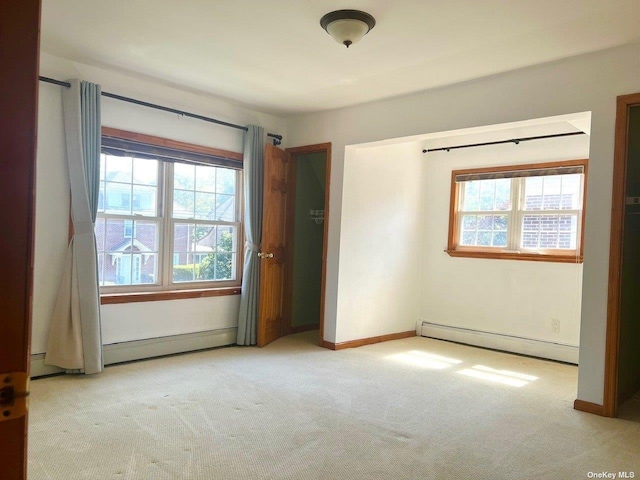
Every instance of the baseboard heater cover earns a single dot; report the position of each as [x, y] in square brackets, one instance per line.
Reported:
[525, 346]
[149, 348]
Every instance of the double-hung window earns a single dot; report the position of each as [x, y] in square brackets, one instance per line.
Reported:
[529, 212]
[168, 215]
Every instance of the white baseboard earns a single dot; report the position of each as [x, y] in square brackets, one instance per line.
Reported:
[149, 348]
[524, 346]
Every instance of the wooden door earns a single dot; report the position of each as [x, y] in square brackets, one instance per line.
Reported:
[19, 47]
[271, 322]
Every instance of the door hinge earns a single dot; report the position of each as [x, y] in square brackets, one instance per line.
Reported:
[14, 390]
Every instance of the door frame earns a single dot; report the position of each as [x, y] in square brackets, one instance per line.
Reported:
[295, 152]
[610, 400]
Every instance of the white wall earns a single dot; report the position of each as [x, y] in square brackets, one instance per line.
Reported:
[509, 297]
[586, 83]
[125, 321]
[382, 221]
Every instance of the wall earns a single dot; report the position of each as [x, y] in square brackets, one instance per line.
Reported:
[126, 321]
[585, 83]
[308, 237]
[515, 298]
[382, 213]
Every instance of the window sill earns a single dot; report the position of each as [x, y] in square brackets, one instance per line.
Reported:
[531, 257]
[115, 298]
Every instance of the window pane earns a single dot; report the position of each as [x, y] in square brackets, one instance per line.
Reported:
[101, 196]
[484, 239]
[147, 265]
[226, 240]
[205, 206]
[206, 179]
[571, 189]
[183, 176]
[100, 269]
[118, 198]
[557, 192]
[226, 181]
[487, 195]
[533, 193]
[183, 204]
[100, 234]
[550, 231]
[468, 238]
[225, 208]
[203, 252]
[530, 231]
[118, 169]
[183, 270]
[224, 266]
[551, 192]
[128, 251]
[503, 194]
[144, 201]
[500, 222]
[145, 172]
[499, 239]
[469, 222]
[484, 230]
[146, 235]
[471, 196]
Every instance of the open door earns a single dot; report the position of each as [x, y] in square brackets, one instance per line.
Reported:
[271, 322]
[19, 40]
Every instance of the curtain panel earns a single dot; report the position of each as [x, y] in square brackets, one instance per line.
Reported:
[254, 141]
[75, 338]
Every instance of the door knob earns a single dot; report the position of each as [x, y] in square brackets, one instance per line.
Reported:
[265, 255]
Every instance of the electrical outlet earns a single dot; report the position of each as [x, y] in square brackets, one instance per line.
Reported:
[555, 325]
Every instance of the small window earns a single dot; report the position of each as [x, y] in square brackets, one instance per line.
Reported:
[532, 212]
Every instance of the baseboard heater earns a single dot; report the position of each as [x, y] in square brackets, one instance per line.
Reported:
[525, 346]
[149, 348]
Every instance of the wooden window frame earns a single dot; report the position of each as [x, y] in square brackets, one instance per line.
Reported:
[143, 293]
[560, 256]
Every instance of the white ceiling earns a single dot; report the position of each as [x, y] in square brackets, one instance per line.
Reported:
[273, 55]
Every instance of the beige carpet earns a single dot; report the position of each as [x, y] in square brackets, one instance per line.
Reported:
[408, 409]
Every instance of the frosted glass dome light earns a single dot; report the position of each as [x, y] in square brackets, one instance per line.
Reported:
[347, 26]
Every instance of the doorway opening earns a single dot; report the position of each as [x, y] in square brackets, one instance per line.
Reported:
[307, 224]
[622, 363]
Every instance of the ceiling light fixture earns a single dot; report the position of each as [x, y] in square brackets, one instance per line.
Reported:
[347, 26]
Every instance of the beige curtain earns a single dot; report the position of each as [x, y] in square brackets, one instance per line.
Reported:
[75, 338]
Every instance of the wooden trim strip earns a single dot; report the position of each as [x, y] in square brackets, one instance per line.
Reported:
[371, 340]
[589, 407]
[116, 298]
[318, 147]
[303, 328]
[534, 257]
[168, 143]
[329, 345]
[610, 401]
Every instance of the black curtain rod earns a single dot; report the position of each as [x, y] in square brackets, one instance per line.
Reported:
[277, 139]
[513, 140]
